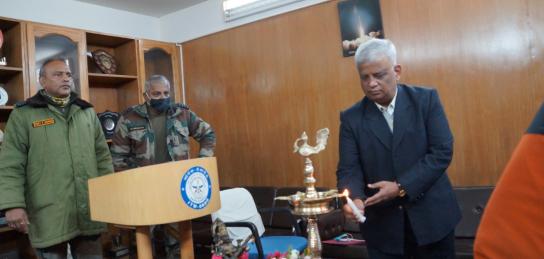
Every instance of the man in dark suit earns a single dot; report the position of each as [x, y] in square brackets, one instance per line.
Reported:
[395, 147]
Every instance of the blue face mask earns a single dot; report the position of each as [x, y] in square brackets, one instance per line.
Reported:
[160, 105]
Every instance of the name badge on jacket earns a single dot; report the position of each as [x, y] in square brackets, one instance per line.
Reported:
[40, 123]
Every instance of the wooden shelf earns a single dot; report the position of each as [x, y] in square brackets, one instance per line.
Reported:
[110, 80]
[6, 107]
[5, 110]
[114, 92]
[5, 229]
[13, 75]
[106, 40]
[6, 71]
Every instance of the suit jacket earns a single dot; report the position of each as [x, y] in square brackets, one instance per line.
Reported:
[416, 155]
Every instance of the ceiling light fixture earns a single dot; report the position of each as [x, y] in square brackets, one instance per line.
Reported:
[235, 9]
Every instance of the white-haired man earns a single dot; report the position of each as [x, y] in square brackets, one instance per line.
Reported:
[395, 147]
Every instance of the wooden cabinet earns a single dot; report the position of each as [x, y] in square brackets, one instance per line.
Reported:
[118, 91]
[13, 75]
[48, 41]
[114, 92]
[27, 45]
[161, 58]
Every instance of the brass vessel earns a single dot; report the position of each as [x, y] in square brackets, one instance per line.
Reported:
[311, 203]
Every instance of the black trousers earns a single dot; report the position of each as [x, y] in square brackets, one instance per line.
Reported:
[442, 249]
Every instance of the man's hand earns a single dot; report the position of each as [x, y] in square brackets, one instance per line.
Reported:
[348, 212]
[17, 219]
[387, 191]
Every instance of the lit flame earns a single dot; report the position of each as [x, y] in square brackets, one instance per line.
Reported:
[346, 193]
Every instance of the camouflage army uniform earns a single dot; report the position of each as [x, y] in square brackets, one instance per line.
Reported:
[134, 141]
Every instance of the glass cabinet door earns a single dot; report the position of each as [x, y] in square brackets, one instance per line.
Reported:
[159, 62]
[46, 42]
[57, 46]
[161, 58]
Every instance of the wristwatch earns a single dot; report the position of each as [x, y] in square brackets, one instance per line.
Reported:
[402, 192]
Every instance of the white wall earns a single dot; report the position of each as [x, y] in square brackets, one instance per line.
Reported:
[191, 23]
[207, 17]
[74, 14]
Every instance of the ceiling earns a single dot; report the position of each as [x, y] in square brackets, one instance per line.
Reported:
[155, 8]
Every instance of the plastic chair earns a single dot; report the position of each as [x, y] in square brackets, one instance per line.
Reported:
[240, 215]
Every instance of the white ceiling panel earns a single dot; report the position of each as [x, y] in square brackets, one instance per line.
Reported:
[155, 8]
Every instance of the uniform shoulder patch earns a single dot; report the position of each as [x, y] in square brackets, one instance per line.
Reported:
[129, 109]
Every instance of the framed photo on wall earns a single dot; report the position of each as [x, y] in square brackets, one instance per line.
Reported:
[360, 20]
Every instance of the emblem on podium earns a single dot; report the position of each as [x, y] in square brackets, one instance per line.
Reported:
[196, 188]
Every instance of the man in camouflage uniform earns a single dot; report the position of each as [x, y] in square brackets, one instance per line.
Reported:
[157, 132]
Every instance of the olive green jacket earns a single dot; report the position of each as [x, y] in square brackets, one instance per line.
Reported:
[45, 163]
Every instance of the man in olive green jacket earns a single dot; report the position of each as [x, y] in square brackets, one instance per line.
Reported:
[53, 144]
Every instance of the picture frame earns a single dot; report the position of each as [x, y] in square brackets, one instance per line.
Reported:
[360, 20]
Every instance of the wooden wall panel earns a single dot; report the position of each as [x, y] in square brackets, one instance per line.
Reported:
[261, 84]
[478, 55]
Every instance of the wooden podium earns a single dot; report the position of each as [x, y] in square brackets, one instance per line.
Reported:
[159, 194]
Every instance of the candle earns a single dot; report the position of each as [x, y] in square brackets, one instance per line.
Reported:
[354, 208]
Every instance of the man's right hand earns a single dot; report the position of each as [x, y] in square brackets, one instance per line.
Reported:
[17, 219]
[348, 212]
